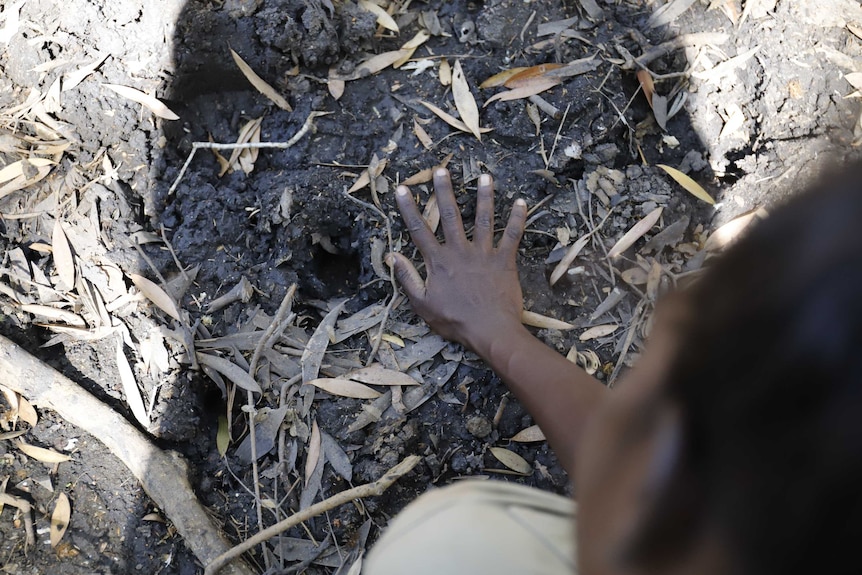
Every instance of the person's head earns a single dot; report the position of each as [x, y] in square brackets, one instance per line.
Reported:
[736, 444]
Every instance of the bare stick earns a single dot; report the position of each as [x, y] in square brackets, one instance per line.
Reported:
[545, 106]
[163, 476]
[679, 42]
[247, 146]
[374, 489]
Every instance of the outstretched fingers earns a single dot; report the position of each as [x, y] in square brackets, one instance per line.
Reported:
[508, 245]
[483, 234]
[421, 234]
[450, 213]
[406, 274]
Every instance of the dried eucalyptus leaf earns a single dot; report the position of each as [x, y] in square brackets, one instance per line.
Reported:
[60, 519]
[344, 388]
[130, 387]
[512, 460]
[528, 435]
[314, 455]
[599, 331]
[376, 374]
[230, 370]
[267, 423]
[464, 101]
[337, 457]
[636, 232]
[312, 357]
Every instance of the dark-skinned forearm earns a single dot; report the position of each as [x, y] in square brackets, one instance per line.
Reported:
[558, 394]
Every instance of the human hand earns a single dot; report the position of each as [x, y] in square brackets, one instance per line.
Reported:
[471, 293]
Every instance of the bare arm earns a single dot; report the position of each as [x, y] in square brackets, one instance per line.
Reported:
[472, 295]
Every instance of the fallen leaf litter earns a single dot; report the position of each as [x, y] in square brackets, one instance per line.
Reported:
[84, 296]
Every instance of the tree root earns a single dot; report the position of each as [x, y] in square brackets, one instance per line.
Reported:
[163, 475]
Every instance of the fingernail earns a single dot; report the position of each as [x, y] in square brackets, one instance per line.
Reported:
[520, 203]
[390, 260]
[402, 190]
[485, 180]
[441, 172]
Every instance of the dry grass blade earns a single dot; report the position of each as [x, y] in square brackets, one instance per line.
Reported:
[260, 84]
[64, 261]
[230, 370]
[686, 182]
[152, 103]
[636, 232]
[60, 519]
[464, 101]
[537, 85]
[130, 387]
[544, 322]
[567, 260]
[41, 454]
[157, 295]
[512, 460]
[529, 435]
[344, 388]
[383, 18]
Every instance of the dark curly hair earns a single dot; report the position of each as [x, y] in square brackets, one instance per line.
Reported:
[768, 379]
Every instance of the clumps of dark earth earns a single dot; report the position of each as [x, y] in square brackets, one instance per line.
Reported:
[761, 88]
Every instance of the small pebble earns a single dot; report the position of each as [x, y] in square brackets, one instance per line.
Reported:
[479, 426]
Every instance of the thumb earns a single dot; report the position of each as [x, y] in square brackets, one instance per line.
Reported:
[408, 277]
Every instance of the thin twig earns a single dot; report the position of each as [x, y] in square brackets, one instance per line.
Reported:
[368, 490]
[173, 253]
[275, 329]
[557, 136]
[630, 335]
[247, 146]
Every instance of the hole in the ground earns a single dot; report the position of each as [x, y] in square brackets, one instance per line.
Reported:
[331, 274]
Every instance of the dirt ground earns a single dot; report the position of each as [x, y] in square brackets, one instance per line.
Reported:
[764, 98]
